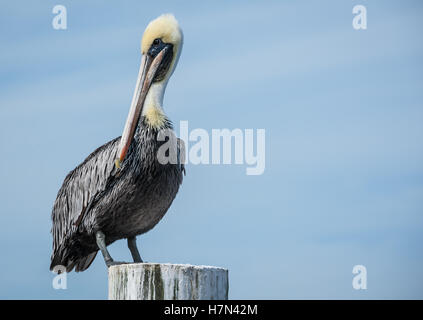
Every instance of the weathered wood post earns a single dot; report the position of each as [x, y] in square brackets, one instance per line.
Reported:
[156, 281]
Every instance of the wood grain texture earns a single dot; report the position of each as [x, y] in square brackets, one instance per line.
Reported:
[154, 281]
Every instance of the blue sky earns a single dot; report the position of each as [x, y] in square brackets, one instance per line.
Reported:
[343, 113]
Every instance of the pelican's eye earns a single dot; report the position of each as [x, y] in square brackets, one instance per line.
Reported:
[156, 42]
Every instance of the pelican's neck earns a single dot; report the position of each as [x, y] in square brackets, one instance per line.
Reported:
[153, 110]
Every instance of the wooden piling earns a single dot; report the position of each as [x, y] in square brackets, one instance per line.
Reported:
[156, 281]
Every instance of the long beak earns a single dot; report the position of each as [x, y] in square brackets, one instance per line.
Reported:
[146, 75]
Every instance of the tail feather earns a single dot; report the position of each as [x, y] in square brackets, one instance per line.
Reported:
[56, 260]
[84, 263]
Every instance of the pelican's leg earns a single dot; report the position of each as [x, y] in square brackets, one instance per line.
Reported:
[132, 245]
[101, 243]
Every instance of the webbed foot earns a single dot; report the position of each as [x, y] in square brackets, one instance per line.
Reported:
[114, 263]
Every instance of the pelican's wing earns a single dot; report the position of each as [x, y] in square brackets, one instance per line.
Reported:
[82, 187]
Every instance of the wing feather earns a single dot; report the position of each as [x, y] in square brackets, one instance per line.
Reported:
[80, 188]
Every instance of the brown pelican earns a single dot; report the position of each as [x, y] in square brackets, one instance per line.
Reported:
[121, 190]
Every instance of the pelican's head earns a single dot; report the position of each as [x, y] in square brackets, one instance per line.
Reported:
[163, 35]
[160, 47]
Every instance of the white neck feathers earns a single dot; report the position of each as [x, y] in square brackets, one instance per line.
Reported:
[153, 110]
